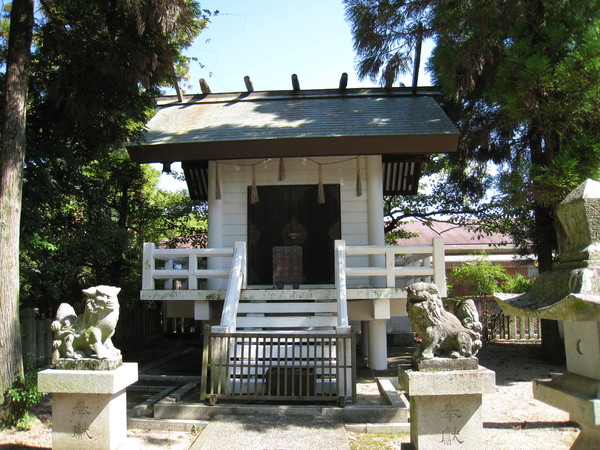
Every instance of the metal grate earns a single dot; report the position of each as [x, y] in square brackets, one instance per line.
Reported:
[299, 366]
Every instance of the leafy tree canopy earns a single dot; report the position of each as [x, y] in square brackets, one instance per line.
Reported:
[520, 79]
[96, 68]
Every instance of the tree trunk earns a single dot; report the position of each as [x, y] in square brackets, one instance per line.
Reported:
[12, 157]
[553, 348]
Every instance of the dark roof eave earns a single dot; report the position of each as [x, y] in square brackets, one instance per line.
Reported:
[296, 147]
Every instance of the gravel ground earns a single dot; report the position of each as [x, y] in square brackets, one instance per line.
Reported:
[513, 419]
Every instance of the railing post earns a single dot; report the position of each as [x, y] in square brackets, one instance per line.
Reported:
[439, 265]
[390, 264]
[148, 266]
[169, 283]
[244, 269]
[340, 282]
[192, 268]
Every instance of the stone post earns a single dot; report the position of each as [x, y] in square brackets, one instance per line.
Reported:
[89, 408]
[445, 406]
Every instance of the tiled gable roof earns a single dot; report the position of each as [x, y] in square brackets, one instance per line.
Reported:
[394, 121]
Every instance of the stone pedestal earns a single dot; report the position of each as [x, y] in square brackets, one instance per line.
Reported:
[571, 293]
[445, 406]
[89, 408]
[580, 397]
[578, 391]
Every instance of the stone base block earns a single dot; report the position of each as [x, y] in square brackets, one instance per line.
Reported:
[580, 397]
[446, 364]
[89, 408]
[445, 407]
[88, 364]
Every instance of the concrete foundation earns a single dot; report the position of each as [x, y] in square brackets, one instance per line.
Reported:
[445, 407]
[89, 408]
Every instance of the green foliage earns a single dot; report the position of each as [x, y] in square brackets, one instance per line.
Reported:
[484, 276]
[487, 278]
[85, 223]
[18, 400]
[517, 284]
[87, 208]
[521, 80]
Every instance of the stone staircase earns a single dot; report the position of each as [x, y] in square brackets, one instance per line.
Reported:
[287, 309]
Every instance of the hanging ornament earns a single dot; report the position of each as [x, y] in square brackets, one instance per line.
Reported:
[304, 161]
[237, 167]
[253, 190]
[320, 189]
[217, 183]
[358, 178]
[281, 175]
[265, 165]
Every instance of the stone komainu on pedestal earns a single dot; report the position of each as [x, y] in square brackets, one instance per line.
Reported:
[80, 342]
[442, 333]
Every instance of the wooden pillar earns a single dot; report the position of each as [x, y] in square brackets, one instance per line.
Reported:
[376, 235]
[377, 335]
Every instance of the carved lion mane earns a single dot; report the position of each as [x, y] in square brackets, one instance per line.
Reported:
[442, 332]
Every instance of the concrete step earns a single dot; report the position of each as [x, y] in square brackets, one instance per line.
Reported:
[347, 414]
[147, 423]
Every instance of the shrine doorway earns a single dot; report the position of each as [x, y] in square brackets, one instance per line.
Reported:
[292, 216]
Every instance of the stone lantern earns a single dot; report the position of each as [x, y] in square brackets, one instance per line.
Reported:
[571, 293]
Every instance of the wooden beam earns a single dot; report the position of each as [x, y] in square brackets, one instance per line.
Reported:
[204, 86]
[248, 82]
[343, 81]
[295, 82]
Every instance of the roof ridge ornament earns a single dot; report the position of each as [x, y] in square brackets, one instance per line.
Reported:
[248, 83]
[204, 86]
[343, 81]
[295, 83]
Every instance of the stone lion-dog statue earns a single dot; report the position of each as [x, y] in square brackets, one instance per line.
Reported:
[88, 335]
[442, 333]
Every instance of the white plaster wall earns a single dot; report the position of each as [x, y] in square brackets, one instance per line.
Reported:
[234, 184]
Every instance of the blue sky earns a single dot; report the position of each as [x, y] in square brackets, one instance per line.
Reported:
[269, 40]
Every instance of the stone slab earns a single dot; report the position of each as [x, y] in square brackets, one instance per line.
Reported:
[87, 381]
[389, 392]
[437, 422]
[577, 395]
[447, 364]
[582, 348]
[88, 364]
[89, 421]
[453, 382]
[580, 397]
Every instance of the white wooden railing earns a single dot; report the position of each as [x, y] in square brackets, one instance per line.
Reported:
[399, 264]
[237, 281]
[420, 262]
[187, 258]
